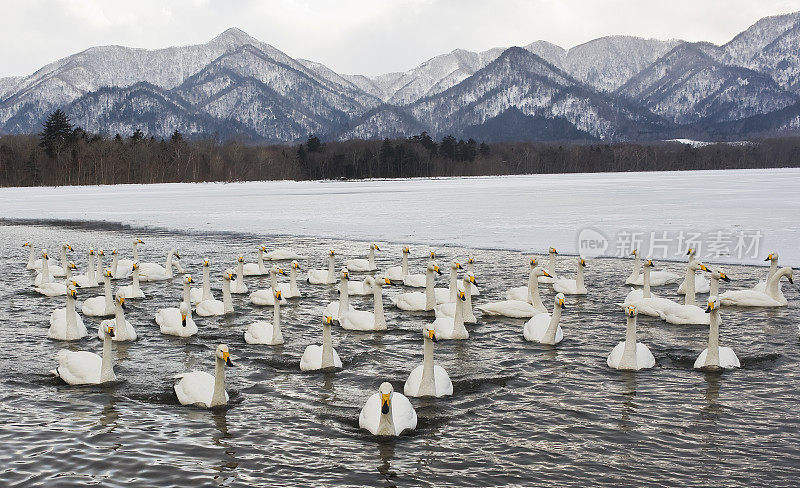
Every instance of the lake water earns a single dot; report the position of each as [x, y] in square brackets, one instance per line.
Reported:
[521, 415]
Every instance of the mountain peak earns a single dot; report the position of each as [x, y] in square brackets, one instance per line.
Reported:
[234, 36]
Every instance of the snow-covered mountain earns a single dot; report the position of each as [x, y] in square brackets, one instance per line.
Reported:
[612, 88]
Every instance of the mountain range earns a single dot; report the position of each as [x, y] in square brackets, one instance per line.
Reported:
[616, 88]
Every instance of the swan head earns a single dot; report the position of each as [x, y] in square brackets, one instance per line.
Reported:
[541, 272]
[345, 274]
[72, 291]
[370, 281]
[432, 254]
[206, 262]
[109, 330]
[44, 253]
[228, 274]
[713, 304]
[695, 265]
[278, 295]
[175, 253]
[91, 251]
[295, 265]
[375, 247]
[406, 250]
[691, 252]
[553, 250]
[113, 252]
[429, 333]
[386, 391]
[67, 246]
[331, 253]
[470, 259]
[262, 248]
[184, 313]
[582, 262]
[276, 270]
[455, 265]
[223, 354]
[135, 265]
[772, 257]
[470, 278]
[534, 262]
[434, 268]
[137, 241]
[188, 279]
[719, 274]
[121, 299]
[461, 295]
[631, 311]
[71, 265]
[327, 320]
[101, 252]
[787, 271]
[635, 252]
[648, 263]
[107, 273]
[26, 244]
[560, 301]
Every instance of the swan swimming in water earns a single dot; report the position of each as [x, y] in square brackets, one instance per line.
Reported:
[475, 291]
[629, 354]
[65, 323]
[343, 303]
[238, 286]
[362, 319]
[125, 266]
[419, 301]
[132, 290]
[688, 313]
[387, 413]
[266, 297]
[419, 280]
[87, 368]
[544, 328]
[520, 308]
[178, 321]
[155, 272]
[207, 308]
[773, 267]
[551, 267]
[123, 330]
[530, 292]
[88, 279]
[283, 255]
[657, 278]
[203, 293]
[201, 389]
[715, 356]
[102, 306]
[263, 332]
[44, 275]
[701, 284]
[572, 287]
[257, 269]
[322, 276]
[61, 271]
[56, 288]
[646, 303]
[290, 290]
[359, 265]
[397, 273]
[449, 309]
[324, 357]
[428, 379]
[452, 327]
[448, 295]
[771, 297]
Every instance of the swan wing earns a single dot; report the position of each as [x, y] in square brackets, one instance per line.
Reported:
[195, 388]
[78, 367]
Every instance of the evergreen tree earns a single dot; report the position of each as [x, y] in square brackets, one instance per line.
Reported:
[177, 137]
[314, 144]
[57, 132]
[484, 149]
[301, 154]
[387, 151]
[137, 136]
[448, 147]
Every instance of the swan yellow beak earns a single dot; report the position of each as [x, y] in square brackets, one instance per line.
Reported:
[650, 262]
[533, 261]
[769, 258]
[122, 301]
[405, 249]
[553, 250]
[432, 335]
[703, 267]
[473, 280]
[689, 251]
[462, 296]
[710, 307]
[332, 252]
[278, 295]
[545, 273]
[135, 265]
[458, 266]
[723, 276]
[110, 331]
[583, 262]
[189, 279]
[296, 265]
[183, 319]
[240, 259]
[26, 244]
[205, 262]
[631, 311]
[436, 268]
[73, 293]
[386, 399]
[387, 281]
[634, 252]
[139, 241]
[280, 271]
[561, 302]
[108, 273]
[328, 319]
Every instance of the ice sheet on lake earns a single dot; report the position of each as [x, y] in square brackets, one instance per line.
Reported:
[528, 213]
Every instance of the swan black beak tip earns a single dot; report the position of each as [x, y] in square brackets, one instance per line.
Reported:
[385, 408]
[726, 279]
[229, 363]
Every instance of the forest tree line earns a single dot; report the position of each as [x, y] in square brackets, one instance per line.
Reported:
[67, 155]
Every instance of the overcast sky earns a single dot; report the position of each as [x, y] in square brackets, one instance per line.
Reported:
[359, 36]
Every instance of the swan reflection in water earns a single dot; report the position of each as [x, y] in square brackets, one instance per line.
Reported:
[386, 452]
[628, 392]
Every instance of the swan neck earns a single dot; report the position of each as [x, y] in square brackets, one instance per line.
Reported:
[64, 263]
[380, 318]
[371, 257]
[31, 257]
[136, 280]
[119, 320]
[468, 295]
[136, 251]
[344, 297]
[239, 274]
[533, 292]
[45, 270]
[772, 288]
[91, 271]
[430, 297]
[227, 301]
[72, 324]
[386, 423]
[276, 322]
[404, 265]
[773, 267]
[579, 278]
[331, 269]
[327, 346]
[206, 283]
[107, 291]
[106, 365]
[629, 351]
[552, 327]
[261, 267]
[453, 284]
[168, 265]
[187, 293]
[645, 282]
[114, 264]
[293, 290]
[690, 298]
[219, 384]
[551, 265]
[427, 384]
[637, 268]
[712, 356]
[714, 287]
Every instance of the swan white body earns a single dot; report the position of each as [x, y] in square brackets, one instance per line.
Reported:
[334, 308]
[201, 389]
[65, 323]
[551, 276]
[572, 287]
[771, 297]
[449, 309]
[133, 290]
[283, 255]
[387, 413]
[263, 332]
[102, 306]
[290, 290]
[89, 279]
[324, 357]
[773, 267]
[514, 308]
[198, 295]
[398, 273]
[208, 308]
[87, 368]
[363, 320]
[156, 272]
[452, 327]
[322, 276]
[359, 265]
[688, 313]
[238, 286]
[123, 330]
[428, 379]
[701, 283]
[544, 328]
[419, 301]
[645, 302]
[178, 321]
[124, 267]
[256, 269]
[266, 297]
[715, 356]
[629, 354]
[419, 280]
[56, 288]
[44, 275]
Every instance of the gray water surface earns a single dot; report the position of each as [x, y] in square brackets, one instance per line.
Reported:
[521, 415]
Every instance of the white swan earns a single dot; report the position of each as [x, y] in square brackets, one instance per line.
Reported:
[396, 273]
[419, 280]
[717, 274]
[56, 288]
[283, 255]
[428, 379]
[204, 292]
[324, 357]
[238, 285]
[419, 301]
[256, 269]
[449, 309]
[715, 356]
[387, 413]
[290, 290]
[207, 308]
[201, 389]
[362, 319]
[133, 290]
[448, 295]
[646, 303]
[263, 332]
[178, 321]
[452, 327]
[87, 368]
[266, 296]
[551, 267]
[629, 354]
[359, 265]
[116, 271]
[65, 323]
[61, 271]
[31, 264]
[544, 328]
[156, 272]
[687, 313]
[773, 267]
[126, 265]
[88, 279]
[44, 275]
[520, 308]
[701, 284]
[102, 306]
[322, 276]
[657, 278]
[343, 303]
[771, 297]
[572, 287]
[123, 330]
[530, 292]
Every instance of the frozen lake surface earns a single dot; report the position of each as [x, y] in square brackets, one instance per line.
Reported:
[758, 210]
